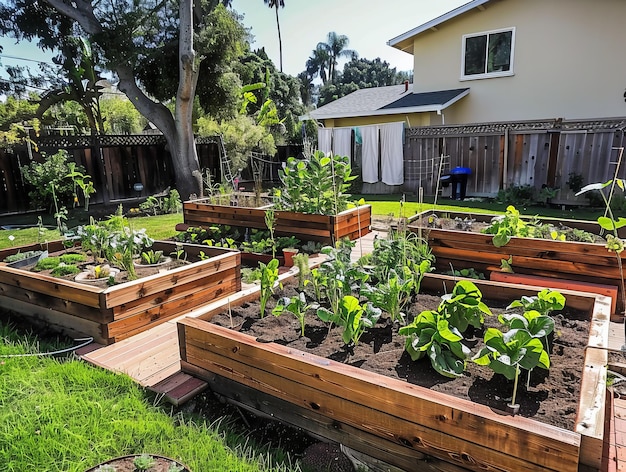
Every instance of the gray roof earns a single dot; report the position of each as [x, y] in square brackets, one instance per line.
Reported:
[391, 100]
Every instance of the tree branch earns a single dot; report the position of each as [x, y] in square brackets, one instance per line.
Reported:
[82, 13]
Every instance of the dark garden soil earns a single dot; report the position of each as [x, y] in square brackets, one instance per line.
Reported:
[552, 396]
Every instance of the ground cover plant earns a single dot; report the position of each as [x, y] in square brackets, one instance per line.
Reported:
[63, 415]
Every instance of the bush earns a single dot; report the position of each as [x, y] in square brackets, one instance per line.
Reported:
[54, 170]
[517, 195]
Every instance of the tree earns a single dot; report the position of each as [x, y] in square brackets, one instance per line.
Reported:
[318, 63]
[275, 4]
[140, 41]
[359, 74]
[335, 47]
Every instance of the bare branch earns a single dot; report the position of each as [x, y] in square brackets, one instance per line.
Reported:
[82, 13]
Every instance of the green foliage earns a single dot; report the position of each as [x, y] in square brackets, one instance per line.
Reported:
[431, 334]
[353, 317]
[316, 185]
[393, 294]
[438, 334]
[506, 226]
[296, 305]
[47, 263]
[64, 269]
[151, 257]
[121, 117]
[269, 279]
[469, 273]
[162, 205]
[55, 170]
[301, 261]
[517, 195]
[241, 136]
[20, 256]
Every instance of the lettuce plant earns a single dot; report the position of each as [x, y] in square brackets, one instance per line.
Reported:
[464, 306]
[269, 279]
[393, 294]
[506, 226]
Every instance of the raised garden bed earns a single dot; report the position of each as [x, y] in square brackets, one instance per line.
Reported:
[352, 223]
[403, 424]
[549, 259]
[109, 314]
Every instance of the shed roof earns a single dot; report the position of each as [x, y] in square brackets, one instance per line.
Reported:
[388, 100]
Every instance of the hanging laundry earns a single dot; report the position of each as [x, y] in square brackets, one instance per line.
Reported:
[325, 140]
[342, 142]
[369, 148]
[392, 154]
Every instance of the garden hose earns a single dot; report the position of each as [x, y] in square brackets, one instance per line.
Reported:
[84, 342]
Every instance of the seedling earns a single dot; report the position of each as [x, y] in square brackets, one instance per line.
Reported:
[464, 306]
[504, 227]
[151, 257]
[353, 317]
[507, 353]
[269, 278]
[301, 261]
[143, 462]
[296, 305]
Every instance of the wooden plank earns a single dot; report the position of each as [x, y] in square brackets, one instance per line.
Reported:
[156, 283]
[179, 387]
[62, 322]
[58, 304]
[64, 289]
[414, 414]
[223, 283]
[143, 320]
[269, 406]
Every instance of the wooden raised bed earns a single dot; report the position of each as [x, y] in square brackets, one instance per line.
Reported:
[117, 312]
[405, 425]
[352, 223]
[576, 261]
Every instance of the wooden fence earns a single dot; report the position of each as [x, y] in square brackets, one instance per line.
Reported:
[538, 153]
[115, 163]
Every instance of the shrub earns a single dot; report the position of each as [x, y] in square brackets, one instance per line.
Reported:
[54, 170]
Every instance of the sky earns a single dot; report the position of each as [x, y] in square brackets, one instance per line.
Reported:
[368, 24]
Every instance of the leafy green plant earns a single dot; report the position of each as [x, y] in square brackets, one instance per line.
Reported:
[249, 275]
[439, 334]
[144, 462]
[47, 263]
[270, 222]
[431, 334]
[64, 269]
[83, 181]
[316, 185]
[296, 305]
[106, 468]
[517, 195]
[353, 317]
[507, 353]
[269, 278]
[20, 256]
[469, 273]
[506, 226]
[393, 294]
[151, 257]
[72, 258]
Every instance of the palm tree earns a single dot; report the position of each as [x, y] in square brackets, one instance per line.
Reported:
[318, 63]
[335, 47]
[275, 4]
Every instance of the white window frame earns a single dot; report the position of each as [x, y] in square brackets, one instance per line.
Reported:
[488, 75]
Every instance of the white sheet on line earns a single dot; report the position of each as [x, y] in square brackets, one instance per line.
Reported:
[392, 159]
[369, 149]
[324, 140]
[342, 142]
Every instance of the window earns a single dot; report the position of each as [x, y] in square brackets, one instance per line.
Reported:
[488, 54]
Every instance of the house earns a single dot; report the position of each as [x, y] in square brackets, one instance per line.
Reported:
[501, 61]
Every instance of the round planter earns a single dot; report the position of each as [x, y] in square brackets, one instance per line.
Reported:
[164, 261]
[126, 464]
[289, 253]
[85, 277]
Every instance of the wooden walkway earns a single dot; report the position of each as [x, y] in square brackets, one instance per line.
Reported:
[152, 359]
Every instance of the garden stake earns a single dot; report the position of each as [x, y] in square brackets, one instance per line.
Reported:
[513, 407]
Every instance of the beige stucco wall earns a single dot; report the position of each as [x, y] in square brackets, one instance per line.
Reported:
[569, 61]
[411, 120]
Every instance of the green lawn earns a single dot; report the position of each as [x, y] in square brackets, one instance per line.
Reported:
[62, 415]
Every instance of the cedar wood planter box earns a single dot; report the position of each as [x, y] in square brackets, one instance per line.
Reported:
[352, 223]
[405, 425]
[114, 313]
[576, 261]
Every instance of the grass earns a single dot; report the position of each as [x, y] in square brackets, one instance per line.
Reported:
[64, 415]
